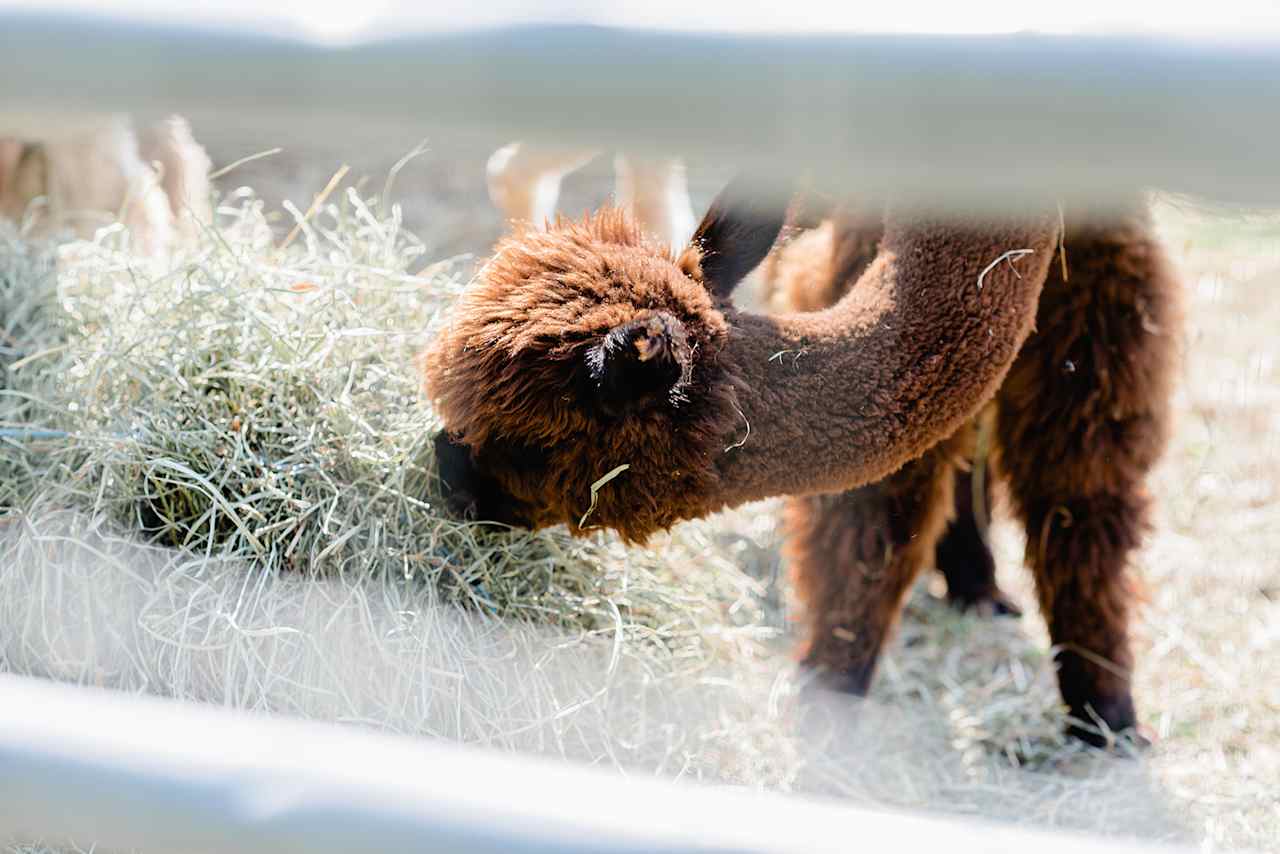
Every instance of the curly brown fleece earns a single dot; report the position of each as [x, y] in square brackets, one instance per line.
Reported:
[530, 377]
[1079, 421]
[511, 378]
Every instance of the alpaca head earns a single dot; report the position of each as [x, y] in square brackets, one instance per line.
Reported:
[586, 348]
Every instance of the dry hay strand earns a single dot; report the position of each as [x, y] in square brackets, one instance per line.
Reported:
[32, 329]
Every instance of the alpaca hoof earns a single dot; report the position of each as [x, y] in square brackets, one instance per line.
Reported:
[853, 681]
[1125, 743]
[985, 603]
[1110, 726]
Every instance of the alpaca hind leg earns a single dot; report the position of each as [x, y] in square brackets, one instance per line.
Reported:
[854, 557]
[656, 192]
[524, 180]
[1082, 419]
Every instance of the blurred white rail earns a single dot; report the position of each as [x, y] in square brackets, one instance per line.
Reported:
[966, 121]
[137, 772]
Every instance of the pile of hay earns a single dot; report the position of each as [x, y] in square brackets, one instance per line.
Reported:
[252, 405]
[31, 328]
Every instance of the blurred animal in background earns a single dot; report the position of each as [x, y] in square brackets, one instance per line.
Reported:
[77, 177]
[524, 182]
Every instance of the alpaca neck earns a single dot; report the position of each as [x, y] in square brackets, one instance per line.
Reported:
[840, 398]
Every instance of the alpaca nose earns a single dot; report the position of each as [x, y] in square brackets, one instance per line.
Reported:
[458, 476]
[468, 492]
[639, 361]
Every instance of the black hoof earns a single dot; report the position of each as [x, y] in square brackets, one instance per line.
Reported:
[1129, 742]
[985, 603]
[855, 682]
[1110, 726]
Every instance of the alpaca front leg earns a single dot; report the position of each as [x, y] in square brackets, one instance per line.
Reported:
[854, 557]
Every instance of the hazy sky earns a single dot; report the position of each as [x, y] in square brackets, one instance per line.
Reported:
[342, 19]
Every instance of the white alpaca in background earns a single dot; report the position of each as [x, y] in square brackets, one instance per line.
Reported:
[156, 180]
[524, 182]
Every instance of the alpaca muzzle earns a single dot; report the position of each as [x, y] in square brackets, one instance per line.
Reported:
[467, 491]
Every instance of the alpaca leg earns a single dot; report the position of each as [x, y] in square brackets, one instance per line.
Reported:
[10, 156]
[853, 559]
[97, 174]
[184, 171]
[656, 192]
[963, 555]
[965, 559]
[817, 266]
[524, 180]
[23, 177]
[1082, 419]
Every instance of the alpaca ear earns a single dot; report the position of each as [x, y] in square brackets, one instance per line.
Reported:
[641, 360]
[737, 233]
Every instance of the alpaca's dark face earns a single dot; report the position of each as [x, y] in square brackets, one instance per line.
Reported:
[581, 350]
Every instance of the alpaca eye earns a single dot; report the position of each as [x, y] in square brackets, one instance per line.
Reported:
[639, 362]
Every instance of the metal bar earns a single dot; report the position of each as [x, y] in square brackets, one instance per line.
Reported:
[964, 121]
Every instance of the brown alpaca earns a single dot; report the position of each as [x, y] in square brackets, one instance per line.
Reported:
[1078, 423]
[587, 348]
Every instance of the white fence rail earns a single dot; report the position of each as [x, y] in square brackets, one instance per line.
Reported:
[127, 771]
[952, 120]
